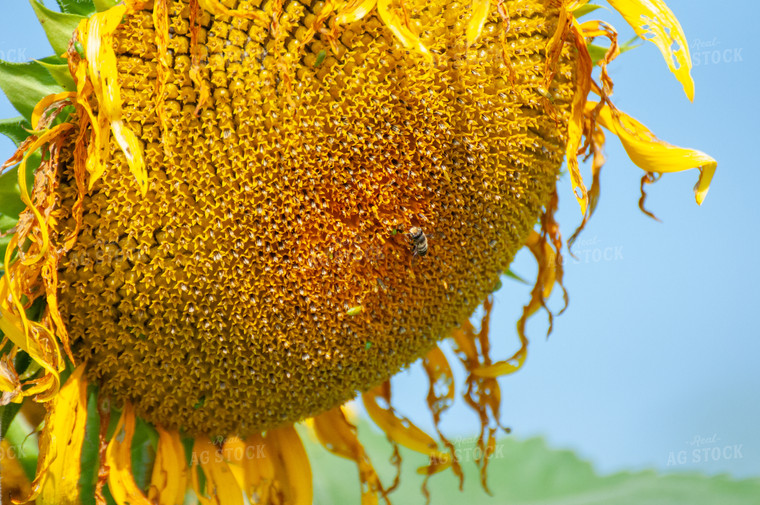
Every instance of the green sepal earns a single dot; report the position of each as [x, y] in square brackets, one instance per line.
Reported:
[80, 7]
[584, 10]
[512, 275]
[144, 446]
[25, 84]
[90, 449]
[597, 52]
[25, 450]
[104, 5]
[7, 414]
[60, 72]
[59, 26]
[15, 128]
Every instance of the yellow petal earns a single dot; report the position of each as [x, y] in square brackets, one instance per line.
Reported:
[575, 125]
[652, 20]
[216, 8]
[57, 480]
[654, 155]
[13, 480]
[354, 11]
[258, 469]
[291, 465]
[400, 27]
[399, 428]
[338, 436]
[46, 102]
[478, 20]
[98, 35]
[121, 483]
[221, 485]
[169, 479]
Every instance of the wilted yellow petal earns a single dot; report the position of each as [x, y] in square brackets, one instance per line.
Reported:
[221, 485]
[258, 469]
[217, 8]
[13, 480]
[169, 480]
[354, 11]
[652, 20]
[398, 428]
[338, 436]
[61, 442]
[97, 36]
[654, 155]
[46, 102]
[400, 27]
[575, 125]
[121, 483]
[291, 465]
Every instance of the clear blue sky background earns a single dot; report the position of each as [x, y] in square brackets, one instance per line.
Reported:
[660, 344]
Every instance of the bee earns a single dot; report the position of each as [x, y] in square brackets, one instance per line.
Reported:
[418, 240]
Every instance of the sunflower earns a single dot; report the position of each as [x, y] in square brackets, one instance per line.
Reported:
[238, 215]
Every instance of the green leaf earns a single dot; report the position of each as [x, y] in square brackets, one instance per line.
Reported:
[25, 84]
[61, 74]
[15, 128]
[81, 7]
[59, 26]
[104, 5]
[520, 472]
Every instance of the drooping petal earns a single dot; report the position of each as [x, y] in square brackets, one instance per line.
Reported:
[338, 436]
[652, 20]
[221, 486]
[291, 465]
[170, 477]
[58, 468]
[121, 483]
[217, 8]
[97, 34]
[575, 125]
[258, 469]
[654, 155]
[400, 26]
[440, 397]
[354, 11]
[401, 430]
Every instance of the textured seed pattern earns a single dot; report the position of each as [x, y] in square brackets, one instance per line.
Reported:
[225, 301]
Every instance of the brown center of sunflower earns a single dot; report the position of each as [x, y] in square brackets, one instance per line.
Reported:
[271, 271]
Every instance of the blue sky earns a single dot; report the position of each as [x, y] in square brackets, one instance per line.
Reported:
[657, 352]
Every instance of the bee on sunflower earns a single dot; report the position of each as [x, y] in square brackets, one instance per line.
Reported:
[221, 202]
